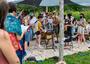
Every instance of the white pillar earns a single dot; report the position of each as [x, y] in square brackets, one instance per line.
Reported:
[46, 8]
[61, 46]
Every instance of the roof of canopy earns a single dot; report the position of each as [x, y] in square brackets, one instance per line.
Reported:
[51, 2]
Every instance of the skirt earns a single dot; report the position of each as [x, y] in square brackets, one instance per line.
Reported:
[29, 35]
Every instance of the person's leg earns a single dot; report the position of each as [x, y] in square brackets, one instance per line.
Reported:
[57, 38]
[21, 59]
[58, 32]
[79, 38]
[22, 52]
[25, 45]
[19, 54]
[79, 41]
[39, 39]
[83, 38]
[30, 36]
[28, 44]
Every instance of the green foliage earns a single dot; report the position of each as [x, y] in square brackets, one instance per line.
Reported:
[74, 9]
[30, 8]
[76, 14]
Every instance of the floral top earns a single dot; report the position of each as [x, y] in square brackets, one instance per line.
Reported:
[12, 24]
[13, 27]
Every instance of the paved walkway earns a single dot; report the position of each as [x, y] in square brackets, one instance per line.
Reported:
[41, 54]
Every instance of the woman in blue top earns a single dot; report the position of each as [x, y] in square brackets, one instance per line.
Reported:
[13, 27]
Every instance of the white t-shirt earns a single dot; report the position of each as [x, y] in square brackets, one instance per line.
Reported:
[50, 21]
[83, 20]
[81, 29]
[24, 28]
[33, 20]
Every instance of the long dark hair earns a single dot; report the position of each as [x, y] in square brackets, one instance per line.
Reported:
[12, 7]
[3, 12]
[82, 15]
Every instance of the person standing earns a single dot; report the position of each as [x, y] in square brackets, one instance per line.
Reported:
[7, 52]
[13, 27]
[38, 31]
[82, 19]
[81, 36]
[56, 27]
[81, 29]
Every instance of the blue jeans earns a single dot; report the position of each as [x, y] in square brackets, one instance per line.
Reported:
[19, 54]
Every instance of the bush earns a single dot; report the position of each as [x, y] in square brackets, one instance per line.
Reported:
[76, 14]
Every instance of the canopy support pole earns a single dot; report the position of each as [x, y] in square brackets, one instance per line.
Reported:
[46, 8]
[61, 44]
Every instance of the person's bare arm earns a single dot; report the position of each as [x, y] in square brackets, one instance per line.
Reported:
[20, 37]
[8, 50]
[68, 25]
[23, 33]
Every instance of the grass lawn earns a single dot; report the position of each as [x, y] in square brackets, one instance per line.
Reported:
[79, 58]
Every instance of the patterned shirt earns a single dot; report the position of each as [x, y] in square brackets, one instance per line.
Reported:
[12, 25]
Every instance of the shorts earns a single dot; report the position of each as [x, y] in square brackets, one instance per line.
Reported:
[38, 33]
[56, 29]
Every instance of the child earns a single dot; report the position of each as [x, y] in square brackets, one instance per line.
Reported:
[38, 31]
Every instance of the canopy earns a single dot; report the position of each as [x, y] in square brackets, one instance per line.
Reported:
[54, 2]
[14, 1]
[51, 2]
[46, 2]
[82, 2]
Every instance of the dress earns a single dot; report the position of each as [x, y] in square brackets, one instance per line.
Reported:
[28, 35]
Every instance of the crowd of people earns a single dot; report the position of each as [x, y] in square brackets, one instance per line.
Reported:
[17, 31]
[80, 28]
